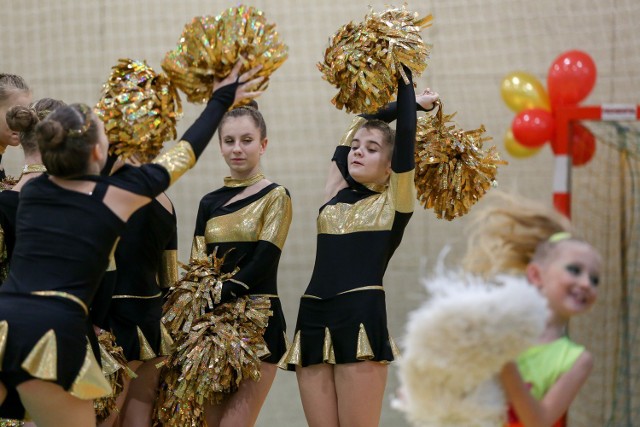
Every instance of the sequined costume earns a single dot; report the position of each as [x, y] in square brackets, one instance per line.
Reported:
[342, 315]
[69, 236]
[251, 232]
[542, 365]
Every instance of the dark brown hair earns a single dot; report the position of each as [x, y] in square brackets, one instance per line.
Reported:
[24, 120]
[66, 138]
[11, 83]
[250, 110]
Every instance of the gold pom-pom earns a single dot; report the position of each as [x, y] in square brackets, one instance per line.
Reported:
[217, 346]
[196, 294]
[115, 369]
[210, 46]
[364, 60]
[139, 109]
[453, 171]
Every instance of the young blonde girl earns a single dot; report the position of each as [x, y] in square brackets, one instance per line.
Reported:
[521, 237]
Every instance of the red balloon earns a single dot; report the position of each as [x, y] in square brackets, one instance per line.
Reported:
[533, 127]
[583, 145]
[571, 78]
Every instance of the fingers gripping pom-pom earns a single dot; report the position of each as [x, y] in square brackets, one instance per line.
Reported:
[139, 109]
[453, 170]
[210, 46]
[365, 60]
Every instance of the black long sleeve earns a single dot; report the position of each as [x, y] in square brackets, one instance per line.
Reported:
[403, 154]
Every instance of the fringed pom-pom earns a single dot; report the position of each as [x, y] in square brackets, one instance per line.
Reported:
[210, 46]
[364, 60]
[8, 183]
[139, 109]
[195, 294]
[453, 170]
[221, 349]
[115, 369]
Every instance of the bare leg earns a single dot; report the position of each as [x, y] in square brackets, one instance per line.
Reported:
[318, 394]
[114, 418]
[360, 389]
[243, 407]
[3, 392]
[143, 390]
[50, 406]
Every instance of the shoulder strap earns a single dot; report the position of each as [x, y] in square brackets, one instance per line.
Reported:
[100, 190]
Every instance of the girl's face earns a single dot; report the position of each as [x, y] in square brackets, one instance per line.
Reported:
[369, 160]
[569, 277]
[7, 136]
[241, 146]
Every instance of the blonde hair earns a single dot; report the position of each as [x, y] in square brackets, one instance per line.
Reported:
[510, 233]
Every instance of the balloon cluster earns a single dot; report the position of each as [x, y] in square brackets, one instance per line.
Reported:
[571, 78]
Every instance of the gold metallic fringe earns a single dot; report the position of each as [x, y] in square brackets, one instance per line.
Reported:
[210, 46]
[364, 60]
[5, 422]
[453, 171]
[140, 109]
[221, 349]
[196, 294]
[116, 371]
[8, 183]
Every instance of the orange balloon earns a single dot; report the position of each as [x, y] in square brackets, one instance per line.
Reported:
[515, 149]
[522, 91]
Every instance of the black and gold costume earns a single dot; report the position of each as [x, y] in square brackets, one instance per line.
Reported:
[342, 315]
[251, 232]
[146, 263]
[8, 211]
[63, 247]
[8, 208]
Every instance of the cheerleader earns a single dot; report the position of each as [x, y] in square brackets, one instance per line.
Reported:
[246, 221]
[68, 222]
[13, 91]
[341, 346]
[22, 120]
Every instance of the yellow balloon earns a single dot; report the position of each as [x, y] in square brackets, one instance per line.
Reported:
[521, 91]
[515, 149]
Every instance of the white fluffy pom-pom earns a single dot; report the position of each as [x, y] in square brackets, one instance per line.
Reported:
[456, 344]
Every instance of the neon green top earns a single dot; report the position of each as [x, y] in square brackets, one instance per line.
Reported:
[542, 365]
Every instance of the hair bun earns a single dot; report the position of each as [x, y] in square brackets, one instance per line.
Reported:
[21, 119]
[252, 104]
[51, 134]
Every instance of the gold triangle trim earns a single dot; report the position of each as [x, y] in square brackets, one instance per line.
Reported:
[364, 350]
[109, 364]
[394, 348]
[4, 333]
[146, 352]
[42, 361]
[292, 356]
[328, 355]
[90, 382]
[166, 342]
